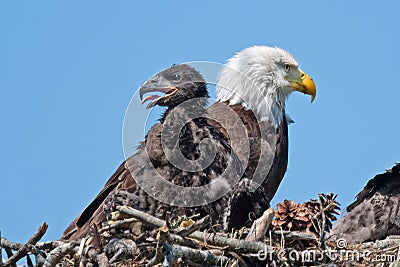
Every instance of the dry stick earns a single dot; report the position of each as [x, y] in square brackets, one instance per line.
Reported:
[208, 238]
[322, 233]
[9, 253]
[102, 260]
[174, 238]
[48, 245]
[240, 261]
[231, 243]
[190, 263]
[167, 219]
[117, 224]
[23, 251]
[120, 249]
[293, 235]
[206, 258]
[194, 227]
[10, 245]
[177, 239]
[29, 261]
[260, 226]
[163, 236]
[140, 215]
[40, 259]
[221, 241]
[58, 253]
[116, 256]
[100, 257]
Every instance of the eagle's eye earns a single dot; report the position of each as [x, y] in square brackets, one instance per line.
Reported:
[176, 77]
[287, 67]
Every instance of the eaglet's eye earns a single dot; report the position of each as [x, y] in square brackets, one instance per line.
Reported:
[176, 77]
[287, 67]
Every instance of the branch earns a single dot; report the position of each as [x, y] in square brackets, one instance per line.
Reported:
[117, 224]
[208, 238]
[162, 238]
[50, 245]
[322, 236]
[231, 243]
[205, 257]
[260, 226]
[96, 256]
[102, 260]
[9, 244]
[294, 235]
[23, 251]
[142, 216]
[9, 254]
[155, 222]
[177, 239]
[194, 227]
[29, 261]
[58, 253]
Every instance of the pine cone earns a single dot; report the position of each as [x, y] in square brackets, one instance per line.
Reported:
[330, 207]
[307, 216]
[291, 216]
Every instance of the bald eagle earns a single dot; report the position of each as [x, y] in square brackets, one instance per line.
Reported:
[256, 83]
[375, 214]
[138, 174]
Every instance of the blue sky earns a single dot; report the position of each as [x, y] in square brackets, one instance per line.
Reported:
[68, 70]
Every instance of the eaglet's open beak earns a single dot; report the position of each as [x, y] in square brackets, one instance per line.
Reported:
[304, 84]
[155, 85]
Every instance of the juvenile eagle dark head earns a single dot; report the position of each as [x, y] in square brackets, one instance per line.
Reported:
[177, 84]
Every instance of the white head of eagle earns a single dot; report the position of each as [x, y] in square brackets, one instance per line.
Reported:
[261, 78]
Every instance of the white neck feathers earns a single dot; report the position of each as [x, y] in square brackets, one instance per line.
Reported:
[253, 79]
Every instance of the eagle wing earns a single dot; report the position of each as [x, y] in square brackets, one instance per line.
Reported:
[94, 213]
[262, 148]
[376, 212]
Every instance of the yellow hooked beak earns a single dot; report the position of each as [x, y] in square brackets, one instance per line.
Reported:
[304, 84]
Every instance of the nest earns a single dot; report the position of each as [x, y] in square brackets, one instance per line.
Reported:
[291, 235]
